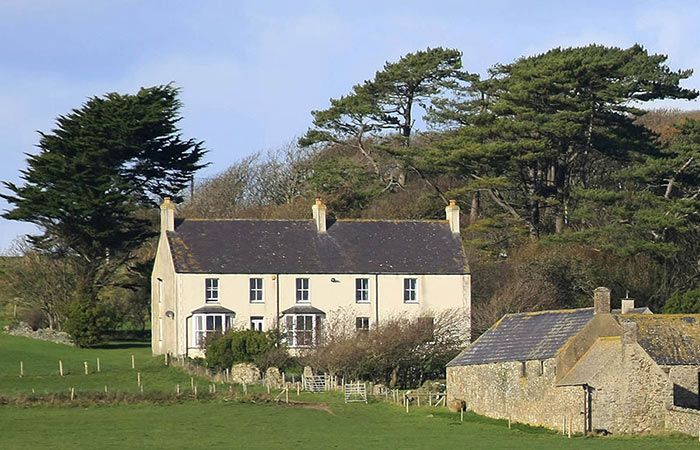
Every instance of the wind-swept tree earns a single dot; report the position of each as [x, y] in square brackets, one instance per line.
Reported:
[556, 121]
[381, 112]
[94, 174]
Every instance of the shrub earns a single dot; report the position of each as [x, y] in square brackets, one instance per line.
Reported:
[236, 346]
[88, 323]
[400, 352]
[683, 302]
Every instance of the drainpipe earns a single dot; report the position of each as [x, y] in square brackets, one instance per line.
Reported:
[376, 299]
[187, 343]
[277, 300]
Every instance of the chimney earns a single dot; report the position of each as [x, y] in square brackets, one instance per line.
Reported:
[627, 305]
[601, 300]
[629, 332]
[452, 215]
[319, 212]
[167, 215]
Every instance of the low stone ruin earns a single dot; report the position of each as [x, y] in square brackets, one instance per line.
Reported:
[245, 373]
[43, 334]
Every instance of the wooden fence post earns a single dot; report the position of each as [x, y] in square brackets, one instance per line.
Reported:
[133, 362]
[21, 369]
[99, 369]
[60, 367]
[72, 393]
[177, 389]
[138, 378]
[85, 364]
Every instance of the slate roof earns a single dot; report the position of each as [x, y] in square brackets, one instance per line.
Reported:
[294, 246]
[303, 309]
[212, 309]
[525, 337]
[670, 339]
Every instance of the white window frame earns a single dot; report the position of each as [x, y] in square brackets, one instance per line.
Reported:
[361, 290]
[359, 324]
[293, 332]
[201, 328]
[303, 293]
[410, 290]
[255, 290]
[211, 290]
[257, 323]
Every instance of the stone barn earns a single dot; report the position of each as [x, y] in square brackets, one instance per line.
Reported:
[592, 369]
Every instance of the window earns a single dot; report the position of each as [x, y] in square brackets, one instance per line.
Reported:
[362, 324]
[541, 371]
[160, 290]
[426, 326]
[303, 330]
[205, 324]
[362, 290]
[211, 290]
[523, 369]
[256, 323]
[256, 290]
[302, 290]
[409, 290]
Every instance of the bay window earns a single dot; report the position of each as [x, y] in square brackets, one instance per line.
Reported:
[206, 324]
[303, 330]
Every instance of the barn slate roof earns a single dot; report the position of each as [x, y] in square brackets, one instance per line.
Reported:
[670, 339]
[525, 337]
[294, 246]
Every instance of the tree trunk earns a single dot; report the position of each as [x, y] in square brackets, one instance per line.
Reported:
[562, 199]
[475, 208]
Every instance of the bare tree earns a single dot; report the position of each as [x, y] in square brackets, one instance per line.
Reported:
[41, 282]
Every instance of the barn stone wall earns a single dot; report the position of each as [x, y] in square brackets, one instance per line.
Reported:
[685, 386]
[499, 390]
[683, 420]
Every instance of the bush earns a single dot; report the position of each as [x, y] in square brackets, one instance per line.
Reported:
[276, 357]
[236, 346]
[401, 352]
[684, 303]
[88, 323]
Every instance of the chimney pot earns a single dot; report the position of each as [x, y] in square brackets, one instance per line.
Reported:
[452, 216]
[319, 213]
[601, 300]
[627, 305]
[167, 215]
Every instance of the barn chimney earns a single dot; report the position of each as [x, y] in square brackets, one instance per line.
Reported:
[601, 300]
[452, 215]
[167, 215]
[319, 212]
[627, 305]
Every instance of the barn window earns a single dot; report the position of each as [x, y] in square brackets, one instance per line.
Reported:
[523, 369]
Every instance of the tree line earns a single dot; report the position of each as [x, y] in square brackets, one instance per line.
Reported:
[565, 179]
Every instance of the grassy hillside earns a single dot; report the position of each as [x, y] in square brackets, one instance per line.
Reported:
[42, 373]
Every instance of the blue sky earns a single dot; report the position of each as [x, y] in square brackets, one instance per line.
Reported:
[251, 72]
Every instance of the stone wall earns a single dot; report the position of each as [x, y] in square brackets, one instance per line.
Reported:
[685, 386]
[683, 420]
[43, 334]
[498, 390]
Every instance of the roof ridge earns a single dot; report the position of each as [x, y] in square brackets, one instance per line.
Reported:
[550, 311]
[244, 219]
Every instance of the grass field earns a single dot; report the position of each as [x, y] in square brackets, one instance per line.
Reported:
[323, 421]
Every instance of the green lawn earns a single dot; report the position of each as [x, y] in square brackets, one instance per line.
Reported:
[204, 424]
[41, 371]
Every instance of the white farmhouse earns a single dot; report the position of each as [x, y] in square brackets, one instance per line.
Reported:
[214, 275]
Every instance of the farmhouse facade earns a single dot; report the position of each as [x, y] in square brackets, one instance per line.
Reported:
[585, 369]
[295, 275]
